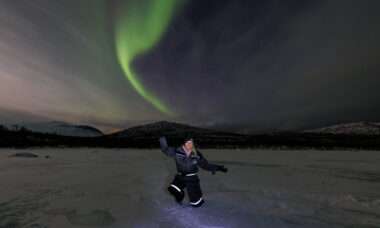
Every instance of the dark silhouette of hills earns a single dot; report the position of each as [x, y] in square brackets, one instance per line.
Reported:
[60, 128]
[176, 132]
[356, 128]
[146, 136]
[164, 127]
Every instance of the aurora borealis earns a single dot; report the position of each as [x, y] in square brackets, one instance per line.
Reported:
[244, 64]
[139, 27]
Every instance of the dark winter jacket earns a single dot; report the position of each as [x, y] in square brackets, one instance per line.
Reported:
[187, 164]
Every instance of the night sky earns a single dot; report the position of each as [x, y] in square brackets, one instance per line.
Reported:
[241, 64]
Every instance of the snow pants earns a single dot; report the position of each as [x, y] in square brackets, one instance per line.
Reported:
[192, 185]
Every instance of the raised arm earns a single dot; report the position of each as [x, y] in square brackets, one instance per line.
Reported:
[206, 165]
[169, 151]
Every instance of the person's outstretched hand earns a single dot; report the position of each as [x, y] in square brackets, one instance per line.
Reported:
[223, 169]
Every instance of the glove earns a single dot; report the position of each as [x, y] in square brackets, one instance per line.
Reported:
[222, 169]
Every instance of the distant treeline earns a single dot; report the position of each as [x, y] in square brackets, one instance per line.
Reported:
[23, 138]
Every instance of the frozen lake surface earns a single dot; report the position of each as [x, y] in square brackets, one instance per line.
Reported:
[127, 188]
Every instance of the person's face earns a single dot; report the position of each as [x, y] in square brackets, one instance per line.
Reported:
[189, 145]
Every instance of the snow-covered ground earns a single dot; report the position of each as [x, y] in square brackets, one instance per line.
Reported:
[127, 188]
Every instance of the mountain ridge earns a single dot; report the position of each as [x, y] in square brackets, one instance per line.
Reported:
[353, 128]
[59, 128]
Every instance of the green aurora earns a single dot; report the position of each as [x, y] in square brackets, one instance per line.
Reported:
[139, 28]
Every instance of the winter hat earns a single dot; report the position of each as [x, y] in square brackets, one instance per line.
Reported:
[188, 138]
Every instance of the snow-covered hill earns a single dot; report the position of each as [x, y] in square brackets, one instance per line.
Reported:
[60, 128]
[358, 128]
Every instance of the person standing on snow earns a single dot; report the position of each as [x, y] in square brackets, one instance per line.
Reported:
[187, 160]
